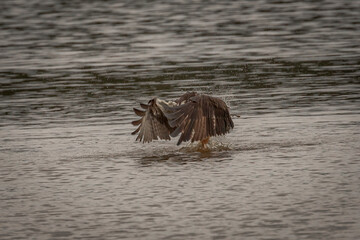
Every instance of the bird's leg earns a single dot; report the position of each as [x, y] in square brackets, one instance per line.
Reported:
[205, 141]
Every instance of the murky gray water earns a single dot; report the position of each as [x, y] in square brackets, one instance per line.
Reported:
[71, 71]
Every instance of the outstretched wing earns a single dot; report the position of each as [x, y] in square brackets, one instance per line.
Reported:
[153, 124]
[200, 117]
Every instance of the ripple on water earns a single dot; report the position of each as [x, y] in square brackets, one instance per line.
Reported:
[71, 72]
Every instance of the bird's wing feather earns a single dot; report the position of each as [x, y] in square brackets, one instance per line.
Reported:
[201, 117]
[153, 123]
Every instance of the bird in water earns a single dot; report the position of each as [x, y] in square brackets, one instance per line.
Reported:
[197, 117]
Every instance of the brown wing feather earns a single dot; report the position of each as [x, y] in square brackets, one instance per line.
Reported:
[144, 106]
[153, 124]
[139, 112]
[136, 122]
[185, 97]
[200, 117]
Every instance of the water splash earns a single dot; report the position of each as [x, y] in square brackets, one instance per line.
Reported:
[215, 144]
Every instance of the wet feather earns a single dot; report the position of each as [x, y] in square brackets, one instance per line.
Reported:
[194, 116]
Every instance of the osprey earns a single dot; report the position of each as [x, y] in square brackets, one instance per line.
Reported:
[197, 117]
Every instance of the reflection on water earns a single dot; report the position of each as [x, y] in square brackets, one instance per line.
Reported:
[71, 72]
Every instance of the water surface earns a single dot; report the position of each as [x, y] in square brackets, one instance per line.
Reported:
[71, 72]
